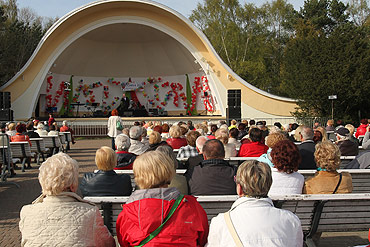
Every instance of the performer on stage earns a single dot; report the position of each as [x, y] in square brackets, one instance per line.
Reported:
[125, 103]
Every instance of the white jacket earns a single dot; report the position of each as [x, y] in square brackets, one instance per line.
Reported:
[112, 126]
[63, 220]
[286, 184]
[137, 147]
[258, 223]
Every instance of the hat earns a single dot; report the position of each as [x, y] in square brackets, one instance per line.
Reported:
[342, 131]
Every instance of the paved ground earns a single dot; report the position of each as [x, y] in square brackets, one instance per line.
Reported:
[12, 199]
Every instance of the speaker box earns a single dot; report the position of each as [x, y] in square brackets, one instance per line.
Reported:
[234, 98]
[6, 115]
[233, 113]
[5, 101]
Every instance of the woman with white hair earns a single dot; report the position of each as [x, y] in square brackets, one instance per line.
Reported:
[125, 159]
[59, 217]
[66, 128]
[41, 130]
[183, 220]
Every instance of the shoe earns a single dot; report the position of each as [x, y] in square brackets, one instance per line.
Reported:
[73, 142]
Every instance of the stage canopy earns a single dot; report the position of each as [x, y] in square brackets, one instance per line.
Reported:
[106, 45]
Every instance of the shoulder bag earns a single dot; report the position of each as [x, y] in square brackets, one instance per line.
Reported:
[119, 125]
[232, 230]
[158, 230]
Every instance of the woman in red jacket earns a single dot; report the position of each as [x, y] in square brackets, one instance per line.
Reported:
[254, 148]
[21, 137]
[176, 141]
[148, 208]
[361, 130]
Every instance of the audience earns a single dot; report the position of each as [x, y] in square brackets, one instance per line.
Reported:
[230, 148]
[137, 147]
[255, 147]
[196, 160]
[361, 130]
[327, 180]
[346, 147]
[214, 176]
[11, 129]
[366, 140]
[253, 218]
[271, 140]
[176, 141]
[105, 182]
[233, 137]
[114, 124]
[190, 150]
[285, 178]
[53, 131]
[66, 128]
[330, 125]
[179, 181]
[31, 133]
[59, 217]
[125, 159]
[323, 133]
[144, 210]
[155, 140]
[41, 130]
[307, 149]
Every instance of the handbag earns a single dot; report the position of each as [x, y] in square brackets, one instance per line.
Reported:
[158, 230]
[119, 125]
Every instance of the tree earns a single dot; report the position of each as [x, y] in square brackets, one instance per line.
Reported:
[359, 11]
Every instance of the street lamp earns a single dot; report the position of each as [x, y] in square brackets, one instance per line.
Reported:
[332, 98]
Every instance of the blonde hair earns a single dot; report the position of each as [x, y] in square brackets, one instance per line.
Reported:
[175, 131]
[105, 158]
[330, 122]
[11, 126]
[351, 129]
[57, 174]
[154, 137]
[153, 169]
[255, 178]
[327, 155]
[222, 135]
[274, 138]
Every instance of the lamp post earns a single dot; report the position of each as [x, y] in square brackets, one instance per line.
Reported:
[332, 98]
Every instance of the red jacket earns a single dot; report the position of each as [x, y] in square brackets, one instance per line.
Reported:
[20, 138]
[177, 143]
[361, 130]
[252, 149]
[188, 226]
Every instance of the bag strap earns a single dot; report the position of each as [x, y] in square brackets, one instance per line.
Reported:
[232, 230]
[158, 230]
[340, 180]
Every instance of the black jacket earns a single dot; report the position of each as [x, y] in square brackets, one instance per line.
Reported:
[125, 159]
[347, 148]
[105, 183]
[307, 150]
[212, 177]
[32, 134]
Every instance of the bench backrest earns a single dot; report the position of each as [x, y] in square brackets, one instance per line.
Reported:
[316, 212]
[20, 149]
[62, 138]
[38, 145]
[51, 141]
[67, 136]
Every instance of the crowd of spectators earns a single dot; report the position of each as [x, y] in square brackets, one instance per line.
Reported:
[162, 196]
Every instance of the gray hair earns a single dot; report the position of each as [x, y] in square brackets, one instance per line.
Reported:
[122, 142]
[307, 133]
[65, 123]
[201, 140]
[167, 150]
[135, 132]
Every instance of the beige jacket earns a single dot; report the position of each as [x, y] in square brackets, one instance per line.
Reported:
[324, 182]
[63, 220]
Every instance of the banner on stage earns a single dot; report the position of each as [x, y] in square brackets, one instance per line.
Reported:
[131, 86]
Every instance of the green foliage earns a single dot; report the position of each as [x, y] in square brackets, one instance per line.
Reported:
[20, 33]
[308, 55]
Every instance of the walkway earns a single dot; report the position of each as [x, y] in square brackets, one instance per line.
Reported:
[12, 199]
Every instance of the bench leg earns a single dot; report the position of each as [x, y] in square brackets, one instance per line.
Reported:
[68, 147]
[310, 243]
[38, 158]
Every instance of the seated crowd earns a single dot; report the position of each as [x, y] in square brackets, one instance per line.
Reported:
[162, 208]
[22, 132]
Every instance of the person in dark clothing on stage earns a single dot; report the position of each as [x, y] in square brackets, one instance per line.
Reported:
[124, 105]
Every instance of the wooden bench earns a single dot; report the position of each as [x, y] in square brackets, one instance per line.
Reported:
[21, 150]
[318, 213]
[53, 143]
[360, 177]
[38, 147]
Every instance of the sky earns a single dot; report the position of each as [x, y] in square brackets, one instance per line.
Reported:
[58, 8]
